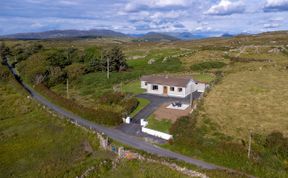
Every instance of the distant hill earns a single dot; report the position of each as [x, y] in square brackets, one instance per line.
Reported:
[153, 36]
[227, 35]
[187, 35]
[66, 34]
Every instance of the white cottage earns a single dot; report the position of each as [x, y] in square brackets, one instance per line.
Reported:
[170, 85]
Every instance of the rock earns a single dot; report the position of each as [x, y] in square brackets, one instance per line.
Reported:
[274, 50]
[151, 61]
[165, 59]
[87, 147]
[136, 57]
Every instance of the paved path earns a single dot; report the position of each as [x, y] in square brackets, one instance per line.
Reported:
[117, 134]
[155, 101]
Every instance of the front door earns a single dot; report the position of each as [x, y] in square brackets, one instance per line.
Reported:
[165, 90]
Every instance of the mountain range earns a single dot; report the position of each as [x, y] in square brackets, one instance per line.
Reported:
[98, 33]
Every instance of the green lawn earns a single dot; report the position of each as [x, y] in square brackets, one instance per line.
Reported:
[133, 87]
[160, 125]
[142, 104]
[204, 77]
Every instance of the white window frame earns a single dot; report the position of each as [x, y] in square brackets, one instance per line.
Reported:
[156, 87]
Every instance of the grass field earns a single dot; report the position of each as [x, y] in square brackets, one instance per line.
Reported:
[250, 95]
[250, 100]
[142, 169]
[203, 77]
[133, 87]
[159, 125]
[36, 144]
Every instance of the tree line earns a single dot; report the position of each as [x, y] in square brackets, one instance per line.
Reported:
[54, 66]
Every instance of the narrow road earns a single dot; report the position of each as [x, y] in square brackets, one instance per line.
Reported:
[116, 134]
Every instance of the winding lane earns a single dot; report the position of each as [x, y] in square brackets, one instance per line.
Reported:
[115, 134]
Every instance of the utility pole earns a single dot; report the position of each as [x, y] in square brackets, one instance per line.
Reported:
[108, 64]
[191, 97]
[249, 144]
[108, 69]
[67, 88]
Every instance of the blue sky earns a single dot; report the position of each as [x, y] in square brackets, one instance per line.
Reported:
[140, 16]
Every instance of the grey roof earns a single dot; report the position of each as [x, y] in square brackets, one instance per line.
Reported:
[178, 81]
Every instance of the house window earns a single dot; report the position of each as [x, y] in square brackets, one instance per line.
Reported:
[172, 89]
[154, 87]
[146, 83]
[180, 89]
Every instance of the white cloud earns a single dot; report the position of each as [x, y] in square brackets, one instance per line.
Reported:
[276, 5]
[226, 7]
[134, 6]
[69, 3]
[273, 25]
[276, 2]
[163, 3]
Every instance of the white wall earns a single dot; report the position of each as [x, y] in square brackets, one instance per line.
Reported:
[156, 92]
[191, 87]
[143, 86]
[176, 93]
[185, 90]
[201, 87]
[157, 133]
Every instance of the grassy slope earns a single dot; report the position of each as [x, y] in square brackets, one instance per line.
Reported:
[250, 100]
[36, 144]
[141, 169]
[133, 87]
[33, 143]
[246, 70]
[251, 96]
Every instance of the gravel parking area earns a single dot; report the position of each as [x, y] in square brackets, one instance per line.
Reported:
[170, 114]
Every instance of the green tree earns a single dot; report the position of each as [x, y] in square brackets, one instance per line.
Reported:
[59, 59]
[4, 52]
[117, 59]
[94, 65]
[75, 70]
[56, 76]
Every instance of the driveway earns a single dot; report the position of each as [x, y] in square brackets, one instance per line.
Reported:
[155, 101]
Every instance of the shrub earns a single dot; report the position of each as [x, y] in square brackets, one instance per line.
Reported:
[4, 73]
[241, 59]
[34, 68]
[183, 131]
[277, 143]
[75, 70]
[111, 98]
[207, 65]
[56, 76]
[59, 59]
[129, 105]
[100, 115]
